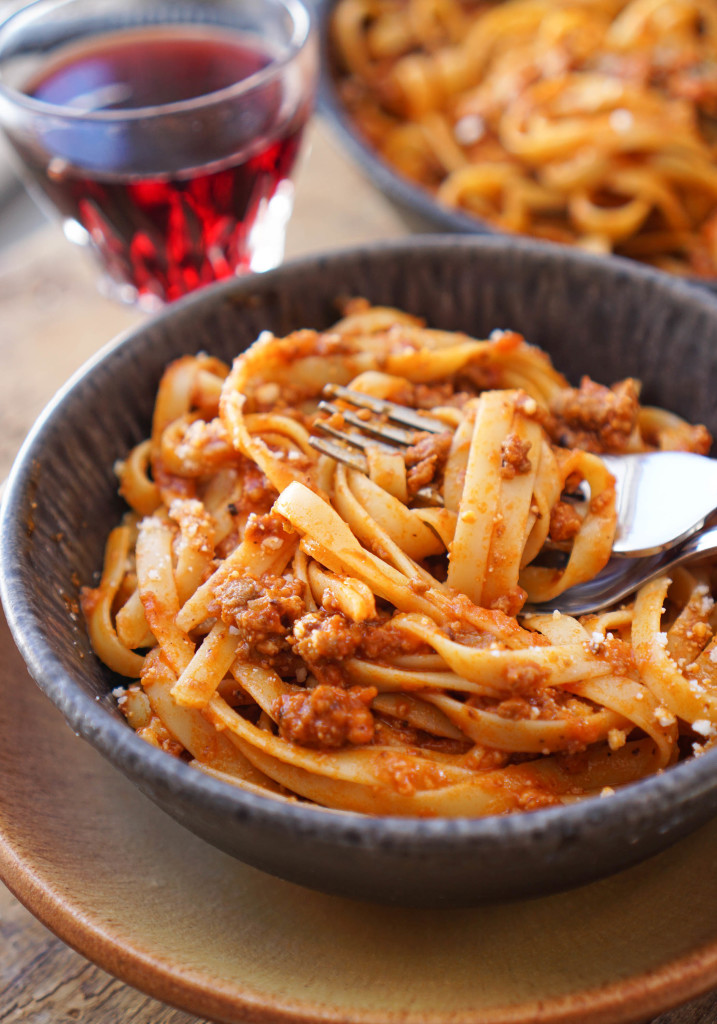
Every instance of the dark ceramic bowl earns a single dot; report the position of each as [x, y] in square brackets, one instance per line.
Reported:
[606, 318]
[418, 207]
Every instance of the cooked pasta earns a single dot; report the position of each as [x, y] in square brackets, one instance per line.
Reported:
[305, 629]
[589, 122]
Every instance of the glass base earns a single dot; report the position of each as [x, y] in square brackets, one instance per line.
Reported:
[128, 295]
[265, 251]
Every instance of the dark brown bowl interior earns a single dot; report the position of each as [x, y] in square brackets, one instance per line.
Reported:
[605, 318]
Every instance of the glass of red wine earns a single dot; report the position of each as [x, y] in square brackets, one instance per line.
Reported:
[164, 132]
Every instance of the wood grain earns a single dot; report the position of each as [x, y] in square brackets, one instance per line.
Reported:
[43, 980]
[700, 1011]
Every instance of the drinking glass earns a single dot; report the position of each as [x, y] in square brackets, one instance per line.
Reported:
[163, 132]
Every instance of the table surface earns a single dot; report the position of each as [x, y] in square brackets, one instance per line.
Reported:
[53, 319]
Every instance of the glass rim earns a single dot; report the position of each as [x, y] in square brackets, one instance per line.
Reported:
[302, 21]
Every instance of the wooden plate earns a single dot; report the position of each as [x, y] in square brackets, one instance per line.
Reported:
[133, 891]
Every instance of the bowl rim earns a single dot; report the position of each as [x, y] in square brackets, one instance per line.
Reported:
[691, 780]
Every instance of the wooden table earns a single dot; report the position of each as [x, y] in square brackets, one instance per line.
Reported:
[53, 319]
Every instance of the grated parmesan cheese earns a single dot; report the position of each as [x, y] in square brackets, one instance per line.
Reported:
[616, 738]
[469, 129]
[530, 406]
[272, 543]
[664, 717]
[621, 120]
[596, 643]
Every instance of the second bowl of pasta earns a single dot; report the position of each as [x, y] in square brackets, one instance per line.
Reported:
[588, 124]
[326, 668]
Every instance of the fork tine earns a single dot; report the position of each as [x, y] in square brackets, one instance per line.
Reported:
[425, 495]
[355, 440]
[380, 406]
[340, 453]
[393, 435]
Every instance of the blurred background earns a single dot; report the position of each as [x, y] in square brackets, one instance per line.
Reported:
[19, 216]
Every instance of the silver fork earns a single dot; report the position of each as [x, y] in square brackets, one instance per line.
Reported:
[373, 432]
[623, 576]
[655, 521]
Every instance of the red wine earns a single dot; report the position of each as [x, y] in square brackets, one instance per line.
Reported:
[169, 204]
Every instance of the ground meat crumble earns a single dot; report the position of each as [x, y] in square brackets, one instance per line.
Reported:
[593, 417]
[257, 494]
[326, 716]
[326, 637]
[428, 396]
[261, 529]
[514, 457]
[323, 637]
[201, 444]
[511, 602]
[526, 677]
[565, 522]
[425, 459]
[263, 612]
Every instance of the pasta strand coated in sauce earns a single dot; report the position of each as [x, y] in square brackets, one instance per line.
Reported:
[300, 628]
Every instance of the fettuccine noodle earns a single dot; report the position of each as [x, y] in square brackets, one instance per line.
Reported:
[311, 631]
[589, 122]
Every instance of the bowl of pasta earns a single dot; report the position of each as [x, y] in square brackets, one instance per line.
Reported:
[587, 124]
[328, 670]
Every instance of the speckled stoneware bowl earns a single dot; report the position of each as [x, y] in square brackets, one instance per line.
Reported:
[605, 318]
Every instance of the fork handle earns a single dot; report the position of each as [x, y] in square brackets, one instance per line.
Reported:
[702, 544]
[637, 573]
